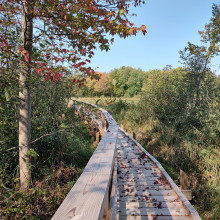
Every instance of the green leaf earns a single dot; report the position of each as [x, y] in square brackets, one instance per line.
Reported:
[7, 95]
[121, 12]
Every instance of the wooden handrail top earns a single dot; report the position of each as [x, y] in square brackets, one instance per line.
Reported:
[88, 197]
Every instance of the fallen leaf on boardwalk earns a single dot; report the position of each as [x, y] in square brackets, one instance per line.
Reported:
[154, 216]
[160, 205]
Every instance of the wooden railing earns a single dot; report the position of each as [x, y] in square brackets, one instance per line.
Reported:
[90, 196]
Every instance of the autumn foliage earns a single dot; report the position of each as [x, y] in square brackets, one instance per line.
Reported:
[66, 32]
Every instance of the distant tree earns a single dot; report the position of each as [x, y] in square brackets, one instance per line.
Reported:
[211, 34]
[126, 81]
[195, 60]
[164, 94]
[90, 85]
[102, 85]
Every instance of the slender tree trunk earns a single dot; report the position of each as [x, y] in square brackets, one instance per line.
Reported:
[25, 94]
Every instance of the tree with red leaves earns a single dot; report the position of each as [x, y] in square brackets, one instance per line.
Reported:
[57, 32]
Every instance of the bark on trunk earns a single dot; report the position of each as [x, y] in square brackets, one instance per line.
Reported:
[25, 94]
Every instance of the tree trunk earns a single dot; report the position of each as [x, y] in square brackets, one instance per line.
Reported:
[25, 95]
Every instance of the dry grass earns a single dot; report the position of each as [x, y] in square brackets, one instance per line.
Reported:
[102, 101]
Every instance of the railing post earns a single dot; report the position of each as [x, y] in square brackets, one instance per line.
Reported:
[122, 127]
[85, 113]
[184, 184]
[134, 135]
[91, 123]
[97, 127]
[107, 124]
[103, 125]
[74, 111]
[81, 112]
[75, 108]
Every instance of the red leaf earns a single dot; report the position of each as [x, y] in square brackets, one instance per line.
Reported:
[38, 70]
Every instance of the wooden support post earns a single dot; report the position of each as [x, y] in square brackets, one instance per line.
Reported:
[184, 184]
[85, 114]
[97, 128]
[122, 127]
[76, 108]
[89, 117]
[81, 112]
[103, 125]
[183, 180]
[107, 124]
[105, 215]
[134, 135]
[92, 125]
[90, 121]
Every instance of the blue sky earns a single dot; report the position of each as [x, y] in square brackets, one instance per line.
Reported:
[170, 25]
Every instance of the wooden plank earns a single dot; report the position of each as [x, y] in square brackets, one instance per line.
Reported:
[153, 211]
[146, 172]
[152, 217]
[143, 177]
[186, 203]
[125, 164]
[136, 205]
[187, 194]
[134, 192]
[144, 187]
[140, 182]
[89, 191]
[151, 198]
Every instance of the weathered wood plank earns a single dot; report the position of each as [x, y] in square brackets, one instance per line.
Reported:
[153, 211]
[89, 190]
[151, 198]
[188, 206]
[152, 217]
[140, 182]
[144, 187]
[163, 204]
[134, 192]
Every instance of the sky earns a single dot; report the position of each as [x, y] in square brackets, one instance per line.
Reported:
[170, 25]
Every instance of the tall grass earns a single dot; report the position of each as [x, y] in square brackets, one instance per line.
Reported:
[177, 150]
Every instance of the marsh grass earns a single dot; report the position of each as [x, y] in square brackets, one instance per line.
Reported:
[176, 151]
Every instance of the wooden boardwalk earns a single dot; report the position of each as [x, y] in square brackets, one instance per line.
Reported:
[143, 191]
[122, 180]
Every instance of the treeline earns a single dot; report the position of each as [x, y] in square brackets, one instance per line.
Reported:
[125, 81]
